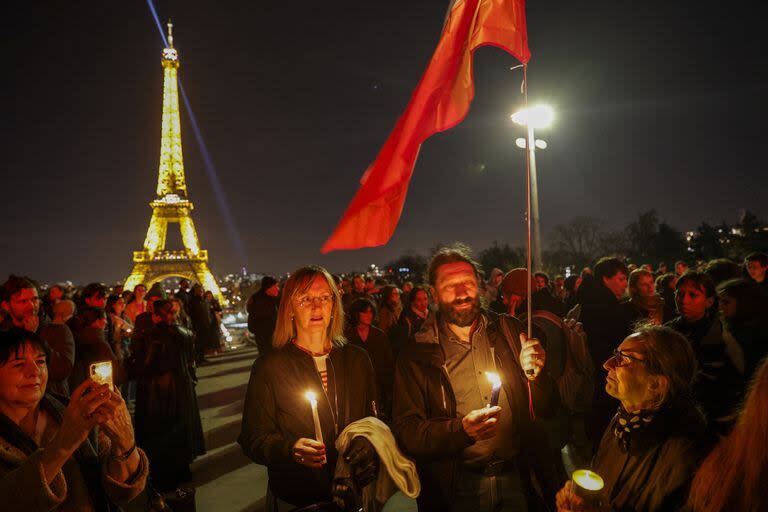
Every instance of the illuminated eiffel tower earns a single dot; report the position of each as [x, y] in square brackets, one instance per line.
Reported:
[154, 263]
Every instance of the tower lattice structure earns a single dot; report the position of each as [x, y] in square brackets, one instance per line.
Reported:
[171, 206]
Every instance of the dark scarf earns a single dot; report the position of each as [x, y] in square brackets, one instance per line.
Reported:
[629, 425]
[86, 455]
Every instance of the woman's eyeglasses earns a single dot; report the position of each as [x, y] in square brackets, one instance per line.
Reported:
[623, 359]
[307, 301]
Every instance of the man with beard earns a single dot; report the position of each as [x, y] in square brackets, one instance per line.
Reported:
[469, 455]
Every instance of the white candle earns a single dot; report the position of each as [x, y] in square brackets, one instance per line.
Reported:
[315, 417]
[495, 389]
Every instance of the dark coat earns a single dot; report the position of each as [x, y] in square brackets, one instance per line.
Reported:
[719, 386]
[426, 423]
[379, 350]
[276, 415]
[200, 315]
[409, 324]
[655, 473]
[262, 318]
[91, 347]
[168, 424]
[59, 338]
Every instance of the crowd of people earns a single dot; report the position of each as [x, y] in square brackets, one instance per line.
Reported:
[50, 400]
[436, 387]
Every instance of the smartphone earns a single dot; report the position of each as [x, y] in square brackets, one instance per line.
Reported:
[101, 373]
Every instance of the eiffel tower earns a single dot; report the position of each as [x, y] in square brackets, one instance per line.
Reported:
[171, 206]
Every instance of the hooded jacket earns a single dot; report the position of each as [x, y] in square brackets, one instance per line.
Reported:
[426, 423]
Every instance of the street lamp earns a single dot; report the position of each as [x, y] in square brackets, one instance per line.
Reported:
[539, 116]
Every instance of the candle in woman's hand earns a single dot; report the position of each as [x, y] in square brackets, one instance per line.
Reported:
[315, 417]
[496, 388]
[587, 485]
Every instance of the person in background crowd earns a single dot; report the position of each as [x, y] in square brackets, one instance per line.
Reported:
[182, 318]
[756, 264]
[719, 385]
[732, 477]
[492, 285]
[744, 312]
[183, 294]
[606, 323]
[469, 456]
[214, 336]
[681, 268]
[21, 304]
[722, 269]
[262, 313]
[647, 267]
[137, 305]
[358, 291]
[654, 443]
[19, 299]
[570, 287]
[200, 314]
[62, 348]
[631, 268]
[389, 308]
[407, 287]
[63, 311]
[644, 304]
[558, 288]
[370, 286]
[144, 322]
[168, 422]
[94, 295]
[54, 295]
[53, 456]
[411, 319]
[310, 355]
[665, 287]
[121, 328]
[361, 331]
[542, 281]
[346, 286]
[661, 268]
[91, 346]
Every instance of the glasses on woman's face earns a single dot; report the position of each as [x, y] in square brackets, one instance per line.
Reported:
[620, 359]
[308, 301]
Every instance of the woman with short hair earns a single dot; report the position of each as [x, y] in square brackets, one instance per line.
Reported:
[650, 450]
[311, 355]
[55, 457]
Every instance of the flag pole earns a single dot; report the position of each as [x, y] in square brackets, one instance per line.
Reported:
[529, 311]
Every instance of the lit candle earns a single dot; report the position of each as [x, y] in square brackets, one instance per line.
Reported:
[496, 388]
[587, 485]
[315, 417]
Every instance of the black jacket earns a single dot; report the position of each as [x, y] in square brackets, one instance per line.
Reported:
[262, 317]
[426, 423]
[276, 414]
[380, 351]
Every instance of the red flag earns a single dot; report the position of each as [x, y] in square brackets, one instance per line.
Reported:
[440, 102]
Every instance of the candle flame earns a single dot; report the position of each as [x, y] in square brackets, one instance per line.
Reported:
[587, 479]
[494, 379]
[310, 395]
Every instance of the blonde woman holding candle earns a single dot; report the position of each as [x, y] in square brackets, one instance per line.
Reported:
[302, 395]
[648, 454]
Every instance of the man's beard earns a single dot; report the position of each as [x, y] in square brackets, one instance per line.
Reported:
[463, 318]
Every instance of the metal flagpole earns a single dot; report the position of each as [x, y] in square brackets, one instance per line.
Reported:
[529, 314]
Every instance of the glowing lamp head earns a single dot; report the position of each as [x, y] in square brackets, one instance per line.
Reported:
[588, 480]
[539, 116]
[311, 396]
[521, 143]
[494, 379]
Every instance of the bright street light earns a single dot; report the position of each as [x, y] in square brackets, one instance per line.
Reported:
[539, 116]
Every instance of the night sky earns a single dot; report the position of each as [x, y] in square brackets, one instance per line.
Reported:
[659, 105]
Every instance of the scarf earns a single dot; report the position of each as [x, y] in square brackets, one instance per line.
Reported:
[629, 425]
